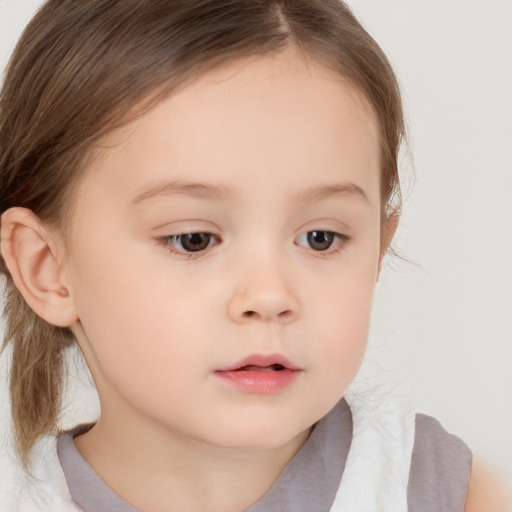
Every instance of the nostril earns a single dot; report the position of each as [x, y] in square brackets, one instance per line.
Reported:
[283, 315]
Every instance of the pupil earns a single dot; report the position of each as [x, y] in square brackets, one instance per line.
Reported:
[195, 241]
[320, 240]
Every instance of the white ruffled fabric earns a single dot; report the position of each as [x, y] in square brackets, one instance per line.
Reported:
[376, 474]
[45, 488]
[375, 478]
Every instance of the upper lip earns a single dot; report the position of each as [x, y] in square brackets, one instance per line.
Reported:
[262, 360]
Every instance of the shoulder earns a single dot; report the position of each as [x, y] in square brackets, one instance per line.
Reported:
[444, 473]
[485, 491]
[440, 468]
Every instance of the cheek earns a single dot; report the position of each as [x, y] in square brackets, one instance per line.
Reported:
[138, 344]
[342, 313]
[128, 314]
[344, 324]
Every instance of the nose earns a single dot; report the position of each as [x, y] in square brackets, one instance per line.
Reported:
[262, 293]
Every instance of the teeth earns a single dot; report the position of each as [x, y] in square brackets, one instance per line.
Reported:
[254, 368]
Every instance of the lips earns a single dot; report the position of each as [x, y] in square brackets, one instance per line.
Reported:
[259, 374]
[262, 362]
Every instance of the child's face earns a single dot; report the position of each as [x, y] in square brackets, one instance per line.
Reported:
[257, 155]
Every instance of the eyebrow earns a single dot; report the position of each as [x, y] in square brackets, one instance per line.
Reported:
[318, 193]
[177, 188]
[207, 191]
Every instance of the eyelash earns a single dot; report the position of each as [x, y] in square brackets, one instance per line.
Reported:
[339, 240]
[169, 241]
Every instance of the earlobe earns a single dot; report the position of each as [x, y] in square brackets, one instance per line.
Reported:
[30, 255]
[388, 232]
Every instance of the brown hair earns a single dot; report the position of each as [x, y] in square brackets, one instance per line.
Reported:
[81, 66]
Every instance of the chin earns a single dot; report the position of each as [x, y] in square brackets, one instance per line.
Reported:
[259, 435]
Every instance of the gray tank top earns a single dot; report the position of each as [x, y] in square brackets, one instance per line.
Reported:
[438, 478]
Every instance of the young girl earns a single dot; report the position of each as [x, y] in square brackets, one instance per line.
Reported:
[199, 195]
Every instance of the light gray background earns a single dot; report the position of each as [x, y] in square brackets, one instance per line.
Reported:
[442, 328]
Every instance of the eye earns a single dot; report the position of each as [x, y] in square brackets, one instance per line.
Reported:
[187, 243]
[321, 240]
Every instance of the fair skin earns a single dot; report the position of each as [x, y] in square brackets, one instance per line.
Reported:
[285, 150]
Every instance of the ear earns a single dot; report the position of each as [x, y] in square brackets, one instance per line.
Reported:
[388, 232]
[31, 256]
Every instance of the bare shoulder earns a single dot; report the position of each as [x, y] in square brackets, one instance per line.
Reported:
[486, 493]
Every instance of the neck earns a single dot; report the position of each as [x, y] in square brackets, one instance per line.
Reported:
[157, 470]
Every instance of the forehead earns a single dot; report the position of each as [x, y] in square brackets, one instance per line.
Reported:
[281, 113]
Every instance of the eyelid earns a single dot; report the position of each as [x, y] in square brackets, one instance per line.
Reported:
[184, 227]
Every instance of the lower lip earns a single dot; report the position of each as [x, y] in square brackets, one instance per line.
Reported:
[261, 382]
